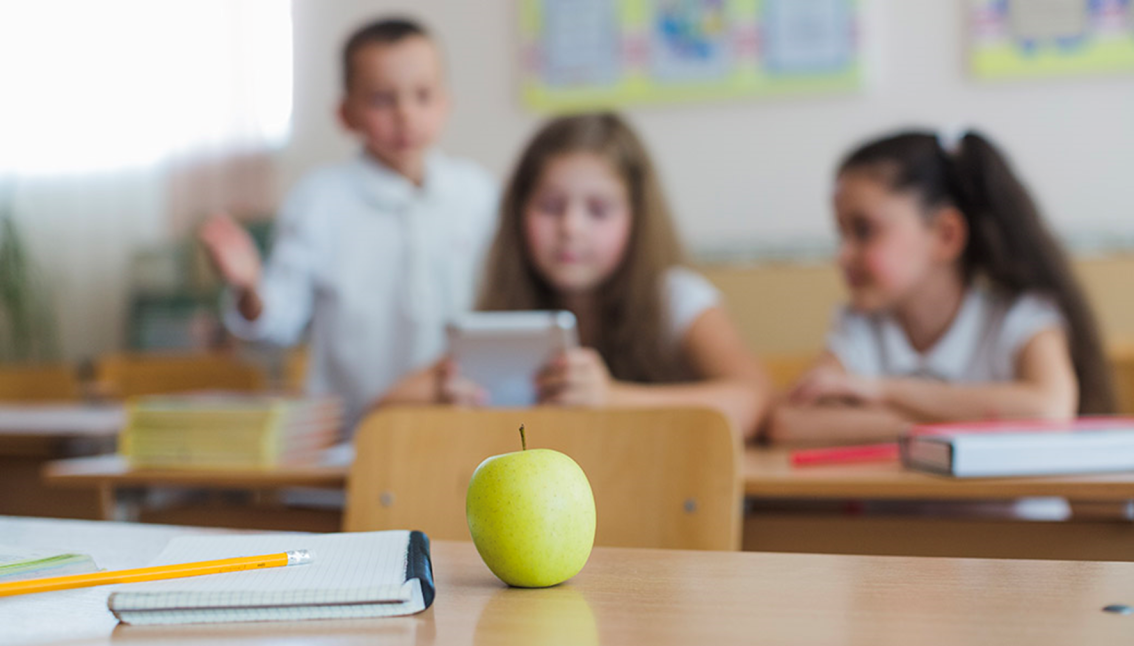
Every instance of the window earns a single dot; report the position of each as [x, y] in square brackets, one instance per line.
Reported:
[97, 86]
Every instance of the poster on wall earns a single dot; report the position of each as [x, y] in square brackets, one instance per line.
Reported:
[1049, 38]
[581, 54]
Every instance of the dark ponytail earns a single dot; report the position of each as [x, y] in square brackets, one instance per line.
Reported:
[1009, 245]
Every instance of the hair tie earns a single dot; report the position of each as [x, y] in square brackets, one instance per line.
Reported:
[949, 139]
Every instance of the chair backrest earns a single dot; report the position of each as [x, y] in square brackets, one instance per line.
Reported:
[38, 383]
[132, 375]
[664, 478]
[295, 365]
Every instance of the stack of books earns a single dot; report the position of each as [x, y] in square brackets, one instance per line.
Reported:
[224, 431]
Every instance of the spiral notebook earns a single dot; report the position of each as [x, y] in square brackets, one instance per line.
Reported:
[365, 574]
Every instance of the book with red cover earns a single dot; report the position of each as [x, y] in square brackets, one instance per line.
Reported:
[1021, 447]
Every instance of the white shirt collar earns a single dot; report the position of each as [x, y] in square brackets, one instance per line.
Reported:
[389, 190]
[951, 355]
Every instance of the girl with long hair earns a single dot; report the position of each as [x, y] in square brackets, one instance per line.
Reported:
[585, 227]
[962, 304]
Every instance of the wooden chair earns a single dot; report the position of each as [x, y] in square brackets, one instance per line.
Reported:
[664, 478]
[295, 369]
[1121, 357]
[38, 383]
[131, 375]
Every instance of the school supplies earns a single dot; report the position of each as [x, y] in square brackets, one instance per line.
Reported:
[177, 570]
[1021, 448]
[364, 574]
[18, 564]
[228, 431]
[886, 452]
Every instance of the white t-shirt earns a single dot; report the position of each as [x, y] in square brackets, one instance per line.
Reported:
[981, 344]
[686, 296]
[377, 266]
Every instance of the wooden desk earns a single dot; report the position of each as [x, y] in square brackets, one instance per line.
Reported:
[768, 474]
[33, 435]
[118, 485]
[630, 596]
[786, 516]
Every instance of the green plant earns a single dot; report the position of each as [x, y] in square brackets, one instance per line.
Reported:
[27, 328]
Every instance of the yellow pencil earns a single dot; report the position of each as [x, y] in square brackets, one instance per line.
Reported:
[155, 573]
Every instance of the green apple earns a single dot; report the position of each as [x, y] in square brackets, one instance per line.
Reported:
[532, 516]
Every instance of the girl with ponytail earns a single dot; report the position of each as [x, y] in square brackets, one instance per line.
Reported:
[962, 304]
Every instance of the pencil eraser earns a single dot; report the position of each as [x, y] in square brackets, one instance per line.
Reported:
[298, 557]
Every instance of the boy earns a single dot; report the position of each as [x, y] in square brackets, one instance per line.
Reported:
[377, 253]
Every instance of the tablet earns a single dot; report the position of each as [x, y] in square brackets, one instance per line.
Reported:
[503, 351]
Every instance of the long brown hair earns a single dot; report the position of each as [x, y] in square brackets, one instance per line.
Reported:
[1008, 245]
[630, 305]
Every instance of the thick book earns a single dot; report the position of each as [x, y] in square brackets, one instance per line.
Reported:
[1021, 448]
[228, 431]
[352, 575]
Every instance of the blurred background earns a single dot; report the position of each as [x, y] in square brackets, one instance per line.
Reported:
[124, 123]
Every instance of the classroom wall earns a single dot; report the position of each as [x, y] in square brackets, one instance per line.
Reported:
[749, 176]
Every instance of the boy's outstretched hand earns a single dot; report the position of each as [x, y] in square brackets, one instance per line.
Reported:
[232, 251]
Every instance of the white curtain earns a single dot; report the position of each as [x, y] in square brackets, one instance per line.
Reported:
[121, 123]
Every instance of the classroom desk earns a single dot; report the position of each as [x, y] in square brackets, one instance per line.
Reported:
[782, 516]
[634, 596]
[813, 509]
[119, 487]
[31, 435]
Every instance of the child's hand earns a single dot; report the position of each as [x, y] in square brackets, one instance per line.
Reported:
[577, 377]
[457, 390]
[232, 251]
[831, 384]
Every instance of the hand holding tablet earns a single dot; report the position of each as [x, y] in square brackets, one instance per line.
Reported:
[502, 352]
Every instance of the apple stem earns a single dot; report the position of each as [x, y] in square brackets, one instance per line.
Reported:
[523, 440]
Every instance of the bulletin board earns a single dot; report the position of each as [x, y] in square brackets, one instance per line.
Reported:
[582, 54]
[1049, 38]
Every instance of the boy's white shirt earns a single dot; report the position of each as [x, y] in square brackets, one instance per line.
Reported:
[981, 344]
[377, 266]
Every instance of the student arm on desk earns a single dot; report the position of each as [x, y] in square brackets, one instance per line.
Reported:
[797, 419]
[833, 424]
[1045, 388]
[732, 381]
[866, 409]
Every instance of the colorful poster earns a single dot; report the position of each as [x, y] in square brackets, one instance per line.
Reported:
[584, 54]
[1044, 38]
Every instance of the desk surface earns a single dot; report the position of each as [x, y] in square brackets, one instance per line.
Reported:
[53, 431]
[113, 470]
[768, 474]
[61, 420]
[639, 596]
